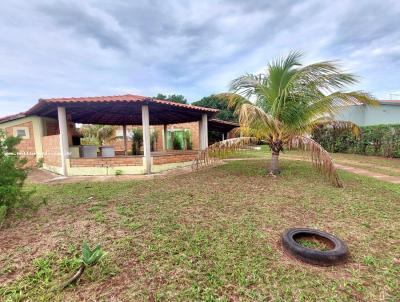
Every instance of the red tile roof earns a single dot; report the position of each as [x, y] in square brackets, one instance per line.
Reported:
[12, 117]
[128, 98]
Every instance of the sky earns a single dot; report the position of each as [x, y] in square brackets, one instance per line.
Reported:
[195, 48]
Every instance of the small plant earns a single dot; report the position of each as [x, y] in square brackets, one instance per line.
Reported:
[369, 260]
[118, 172]
[40, 162]
[137, 140]
[187, 138]
[313, 244]
[153, 139]
[89, 258]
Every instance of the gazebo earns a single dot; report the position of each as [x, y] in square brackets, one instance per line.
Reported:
[123, 111]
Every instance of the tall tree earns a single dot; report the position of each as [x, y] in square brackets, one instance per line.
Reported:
[225, 113]
[283, 105]
[177, 98]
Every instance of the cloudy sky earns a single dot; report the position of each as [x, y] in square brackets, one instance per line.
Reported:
[194, 48]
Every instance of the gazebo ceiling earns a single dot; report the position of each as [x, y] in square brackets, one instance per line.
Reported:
[120, 110]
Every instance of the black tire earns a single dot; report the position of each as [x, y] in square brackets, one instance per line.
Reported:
[338, 254]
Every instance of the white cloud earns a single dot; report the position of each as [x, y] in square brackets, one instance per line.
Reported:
[195, 48]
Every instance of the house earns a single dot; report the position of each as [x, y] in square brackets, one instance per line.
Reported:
[49, 134]
[388, 112]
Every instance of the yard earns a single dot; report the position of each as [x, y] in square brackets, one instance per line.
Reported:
[213, 235]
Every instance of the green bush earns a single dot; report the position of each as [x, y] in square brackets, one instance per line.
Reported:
[380, 140]
[153, 139]
[12, 175]
[137, 140]
[177, 142]
[187, 139]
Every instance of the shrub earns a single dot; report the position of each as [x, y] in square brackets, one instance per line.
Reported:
[177, 143]
[153, 139]
[137, 140]
[187, 138]
[380, 140]
[12, 175]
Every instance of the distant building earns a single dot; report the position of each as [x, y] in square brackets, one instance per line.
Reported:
[387, 113]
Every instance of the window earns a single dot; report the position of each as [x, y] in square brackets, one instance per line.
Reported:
[22, 132]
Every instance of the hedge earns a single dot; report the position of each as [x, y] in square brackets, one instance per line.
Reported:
[380, 140]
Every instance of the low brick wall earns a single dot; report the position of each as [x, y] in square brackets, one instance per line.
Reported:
[177, 157]
[107, 161]
[51, 150]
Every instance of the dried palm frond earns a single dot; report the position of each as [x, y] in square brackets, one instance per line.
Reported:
[339, 125]
[220, 150]
[319, 157]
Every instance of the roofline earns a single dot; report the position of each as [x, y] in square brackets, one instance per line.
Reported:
[128, 99]
[390, 102]
[12, 117]
[224, 122]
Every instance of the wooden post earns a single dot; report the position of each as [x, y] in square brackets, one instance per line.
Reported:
[64, 148]
[125, 140]
[165, 137]
[223, 136]
[146, 137]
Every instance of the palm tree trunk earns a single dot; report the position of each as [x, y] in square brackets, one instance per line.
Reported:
[274, 169]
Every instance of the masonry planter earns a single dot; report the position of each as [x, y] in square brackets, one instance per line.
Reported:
[107, 151]
[89, 151]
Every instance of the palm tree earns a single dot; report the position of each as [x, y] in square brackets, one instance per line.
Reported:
[101, 134]
[282, 106]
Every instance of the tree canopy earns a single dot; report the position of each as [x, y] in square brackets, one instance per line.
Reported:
[177, 98]
[225, 113]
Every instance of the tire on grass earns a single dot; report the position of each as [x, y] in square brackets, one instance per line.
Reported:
[337, 254]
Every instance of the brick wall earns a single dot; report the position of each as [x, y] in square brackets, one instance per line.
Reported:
[178, 157]
[107, 161]
[52, 127]
[26, 147]
[119, 145]
[51, 150]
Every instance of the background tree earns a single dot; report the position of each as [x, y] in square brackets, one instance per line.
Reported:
[290, 101]
[177, 98]
[221, 103]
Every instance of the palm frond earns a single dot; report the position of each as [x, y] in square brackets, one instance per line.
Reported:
[234, 100]
[324, 75]
[221, 149]
[251, 116]
[247, 84]
[352, 98]
[319, 157]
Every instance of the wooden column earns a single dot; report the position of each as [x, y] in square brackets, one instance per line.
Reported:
[64, 148]
[165, 137]
[125, 139]
[146, 138]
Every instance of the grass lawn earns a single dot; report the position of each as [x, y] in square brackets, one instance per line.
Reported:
[213, 235]
[387, 166]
